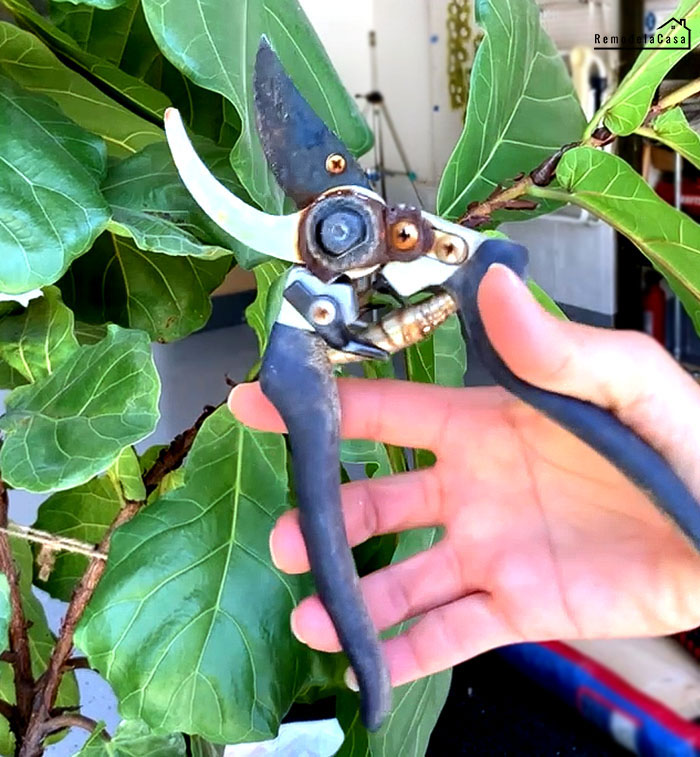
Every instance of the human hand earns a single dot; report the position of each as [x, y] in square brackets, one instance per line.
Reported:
[544, 539]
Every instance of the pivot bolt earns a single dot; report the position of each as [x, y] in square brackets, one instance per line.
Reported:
[341, 231]
[451, 249]
[336, 164]
[322, 311]
[404, 236]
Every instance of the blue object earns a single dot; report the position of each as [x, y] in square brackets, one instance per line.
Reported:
[638, 722]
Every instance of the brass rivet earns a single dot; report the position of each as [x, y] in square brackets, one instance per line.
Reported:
[336, 164]
[322, 311]
[452, 250]
[404, 236]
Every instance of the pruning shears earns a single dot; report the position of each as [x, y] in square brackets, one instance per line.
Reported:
[344, 243]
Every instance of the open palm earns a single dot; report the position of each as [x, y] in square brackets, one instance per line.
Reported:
[543, 538]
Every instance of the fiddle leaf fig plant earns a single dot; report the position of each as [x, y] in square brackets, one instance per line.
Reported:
[161, 556]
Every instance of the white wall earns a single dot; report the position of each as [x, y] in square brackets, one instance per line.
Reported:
[411, 61]
[344, 30]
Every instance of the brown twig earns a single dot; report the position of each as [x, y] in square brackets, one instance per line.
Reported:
[19, 640]
[78, 663]
[72, 720]
[510, 198]
[169, 460]
[678, 96]
[172, 456]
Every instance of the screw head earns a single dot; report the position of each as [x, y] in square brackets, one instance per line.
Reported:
[451, 249]
[341, 231]
[336, 164]
[322, 311]
[405, 235]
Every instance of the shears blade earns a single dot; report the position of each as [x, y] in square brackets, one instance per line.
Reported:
[305, 156]
[276, 236]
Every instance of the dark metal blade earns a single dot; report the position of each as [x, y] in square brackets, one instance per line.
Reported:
[296, 142]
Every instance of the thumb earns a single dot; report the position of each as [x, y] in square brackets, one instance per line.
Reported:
[626, 372]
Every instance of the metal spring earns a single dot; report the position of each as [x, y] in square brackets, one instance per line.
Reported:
[403, 328]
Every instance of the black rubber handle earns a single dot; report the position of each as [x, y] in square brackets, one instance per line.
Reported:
[297, 378]
[599, 428]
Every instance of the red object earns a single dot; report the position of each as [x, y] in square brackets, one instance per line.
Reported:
[654, 305]
[690, 193]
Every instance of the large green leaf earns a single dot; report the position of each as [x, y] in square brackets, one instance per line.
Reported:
[122, 37]
[372, 455]
[143, 98]
[164, 295]
[262, 313]
[41, 643]
[82, 513]
[522, 107]
[51, 209]
[126, 475]
[36, 341]
[30, 63]
[672, 129]
[190, 579]
[545, 300]
[151, 204]
[416, 705]
[440, 359]
[135, 739]
[119, 36]
[608, 187]
[71, 425]
[630, 103]
[215, 45]
[9, 377]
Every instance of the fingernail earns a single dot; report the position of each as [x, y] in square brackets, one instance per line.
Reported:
[272, 550]
[230, 396]
[295, 630]
[509, 272]
[350, 680]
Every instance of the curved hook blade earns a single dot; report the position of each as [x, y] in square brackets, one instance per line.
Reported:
[296, 142]
[276, 236]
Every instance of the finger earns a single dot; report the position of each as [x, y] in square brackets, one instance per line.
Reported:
[381, 410]
[394, 594]
[378, 506]
[447, 636]
[621, 371]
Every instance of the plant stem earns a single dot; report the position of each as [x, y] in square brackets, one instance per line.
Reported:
[46, 689]
[510, 198]
[48, 684]
[678, 96]
[549, 193]
[173, 455]
[18, 637]
[476, 216]
[72, 720]
[646, 131]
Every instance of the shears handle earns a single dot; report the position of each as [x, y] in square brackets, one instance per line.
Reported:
[595, 426]
[297, 377]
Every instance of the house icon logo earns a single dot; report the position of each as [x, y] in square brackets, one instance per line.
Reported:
[675, 26]
[673, 34]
